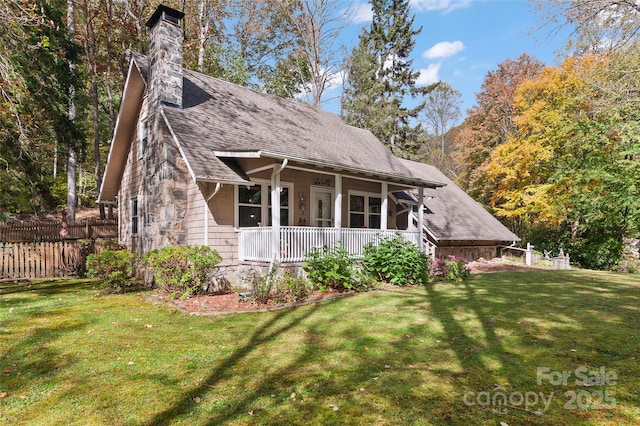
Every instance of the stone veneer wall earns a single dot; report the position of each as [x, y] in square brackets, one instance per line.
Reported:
[166, 200]
[165, 172]
[165, 63]
[468, 253]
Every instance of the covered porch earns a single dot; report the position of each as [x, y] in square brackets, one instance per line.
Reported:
[284, 208]
[293, 243]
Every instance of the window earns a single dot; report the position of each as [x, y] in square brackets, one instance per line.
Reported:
[364, 210]
[135, 215]
[284, 205]
[254, 205]
[249, 206]
[142, 136]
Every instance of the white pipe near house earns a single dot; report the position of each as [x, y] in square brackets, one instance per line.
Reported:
[421, 216]
[275, 208]
[207, 211]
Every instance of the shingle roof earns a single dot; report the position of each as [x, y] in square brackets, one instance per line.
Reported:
[453, 215]
[223, 117]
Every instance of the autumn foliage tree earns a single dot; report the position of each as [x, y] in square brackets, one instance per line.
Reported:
[490, 123]
[571, 168]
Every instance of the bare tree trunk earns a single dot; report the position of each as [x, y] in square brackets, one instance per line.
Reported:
[204, 33]
[112, 114]
[71, 163]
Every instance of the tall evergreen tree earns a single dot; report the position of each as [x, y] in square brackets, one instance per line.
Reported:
[380, 78]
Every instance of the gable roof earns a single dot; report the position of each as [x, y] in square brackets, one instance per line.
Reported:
[218, 117]
[219, 121]
[451, 214]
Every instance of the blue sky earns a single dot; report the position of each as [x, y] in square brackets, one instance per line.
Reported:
[461, 40]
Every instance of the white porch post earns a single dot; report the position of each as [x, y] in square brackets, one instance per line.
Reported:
[384, 206]
[275, 215]
[337, 204]
[421, 216]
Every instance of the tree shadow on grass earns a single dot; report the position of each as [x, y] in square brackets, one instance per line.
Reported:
[280, 323]
[30, 360]
[555, 319]
[45, 287]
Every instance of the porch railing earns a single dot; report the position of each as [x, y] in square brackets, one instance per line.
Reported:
[255, 244]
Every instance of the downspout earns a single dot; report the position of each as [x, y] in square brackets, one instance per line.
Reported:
[421, 216]
[275, 213]
[206, 212]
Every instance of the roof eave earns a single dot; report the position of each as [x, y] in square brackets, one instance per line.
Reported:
[404, 180]
[123, 132]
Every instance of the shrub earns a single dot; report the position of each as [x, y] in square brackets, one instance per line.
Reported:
[451, 268]
[285, 288]
[114, 267]
[185, 270]
[396, 261]
[333, 268]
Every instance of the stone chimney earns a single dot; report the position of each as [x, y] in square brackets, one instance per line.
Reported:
[165, 57]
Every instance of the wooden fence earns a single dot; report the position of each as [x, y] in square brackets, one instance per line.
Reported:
[45, 259]
[51, 231]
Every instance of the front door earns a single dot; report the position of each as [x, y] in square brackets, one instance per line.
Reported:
[321, 207]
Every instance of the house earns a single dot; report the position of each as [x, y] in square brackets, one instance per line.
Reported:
[454, 223]
[201, 161]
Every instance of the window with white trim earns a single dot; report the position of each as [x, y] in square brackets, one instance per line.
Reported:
[364, 210]
[143, 135]
[254, 205]
[284, 205]
[134, 216]
[249, 206]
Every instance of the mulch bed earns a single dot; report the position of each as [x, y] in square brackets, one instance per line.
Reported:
[229, 303]
[220, 304]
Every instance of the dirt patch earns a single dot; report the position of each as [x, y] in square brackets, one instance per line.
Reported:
[498, 265]
[219, 304]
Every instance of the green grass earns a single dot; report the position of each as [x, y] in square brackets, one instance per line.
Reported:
[71, 354]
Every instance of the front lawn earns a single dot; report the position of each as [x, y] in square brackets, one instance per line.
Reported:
[496, 348]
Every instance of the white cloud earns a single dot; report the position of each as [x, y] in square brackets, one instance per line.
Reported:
[444, 49]
[361, 13]
[429, 75]
[444, 5]
[335, 80]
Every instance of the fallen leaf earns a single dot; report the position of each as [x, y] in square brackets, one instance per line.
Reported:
[574, 350]
[197, 400]
[3, 394]
[361, 389]
[148, 325]
[293, 395]
[375, 378]
[334, 407]
[504, 424]
[387, 366]
[250, 413]
[130, 363]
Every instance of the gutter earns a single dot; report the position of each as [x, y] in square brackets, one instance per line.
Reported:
[410, 181]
